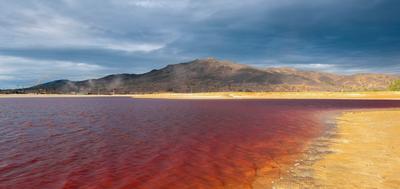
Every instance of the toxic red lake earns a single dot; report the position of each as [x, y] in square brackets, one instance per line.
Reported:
[134, 143]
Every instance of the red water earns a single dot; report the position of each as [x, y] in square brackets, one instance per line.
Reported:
[130, 143]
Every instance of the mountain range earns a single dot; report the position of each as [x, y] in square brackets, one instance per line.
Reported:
[212, 75]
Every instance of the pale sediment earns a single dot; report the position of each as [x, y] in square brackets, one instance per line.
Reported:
[387, 95]
[361, 151]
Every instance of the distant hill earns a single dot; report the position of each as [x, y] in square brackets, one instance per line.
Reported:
[210, 75]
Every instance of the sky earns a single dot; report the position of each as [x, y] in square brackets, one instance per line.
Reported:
[42, 40]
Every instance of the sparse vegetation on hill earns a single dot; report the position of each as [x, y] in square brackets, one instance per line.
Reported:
[395, 86]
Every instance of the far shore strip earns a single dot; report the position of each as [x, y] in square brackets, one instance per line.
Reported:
[387, 95]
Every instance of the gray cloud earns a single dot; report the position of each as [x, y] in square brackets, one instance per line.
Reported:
[139, 35]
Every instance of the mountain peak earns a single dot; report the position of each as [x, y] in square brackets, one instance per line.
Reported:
[206, 60]
[213, 62]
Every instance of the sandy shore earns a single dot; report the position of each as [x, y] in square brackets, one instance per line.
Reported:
[274, 95]
[363, 151]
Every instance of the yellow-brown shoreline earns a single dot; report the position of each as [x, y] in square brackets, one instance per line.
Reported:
[275, 95]
[363, 151]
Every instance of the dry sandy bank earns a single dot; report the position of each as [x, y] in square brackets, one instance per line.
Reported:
[274, 95]
[362, 152]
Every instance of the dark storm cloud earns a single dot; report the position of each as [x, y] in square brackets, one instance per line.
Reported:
[115, 36]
